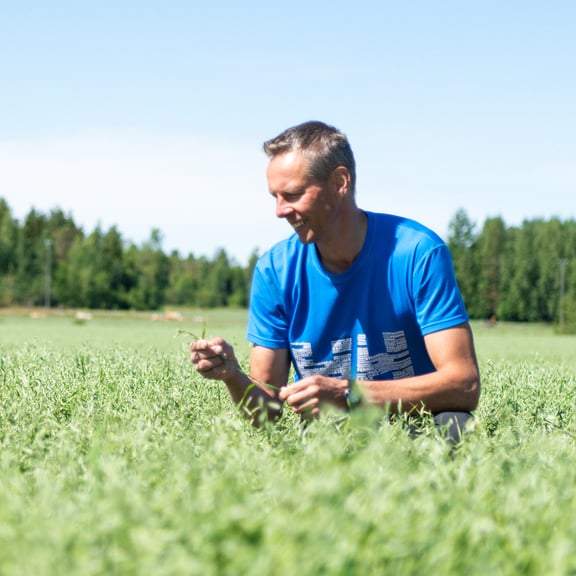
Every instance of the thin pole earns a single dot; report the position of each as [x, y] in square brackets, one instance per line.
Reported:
[48, 284]
[563, 262]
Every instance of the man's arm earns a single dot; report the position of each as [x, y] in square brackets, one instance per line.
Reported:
[258, 391]
[455, 385]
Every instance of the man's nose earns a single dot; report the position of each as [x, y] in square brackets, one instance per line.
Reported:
[283, 209]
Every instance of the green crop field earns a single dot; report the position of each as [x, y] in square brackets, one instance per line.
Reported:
[115, 458]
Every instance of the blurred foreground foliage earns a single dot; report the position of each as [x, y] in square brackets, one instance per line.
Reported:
[115, 458]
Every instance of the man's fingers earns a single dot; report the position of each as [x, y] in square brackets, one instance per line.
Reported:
[297, 399]
[307, 409]
[201, 350]
[294, 388]
[210, 362]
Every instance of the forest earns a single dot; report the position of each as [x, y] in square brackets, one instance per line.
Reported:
[525, 273]
[521, 273]
[47, 260]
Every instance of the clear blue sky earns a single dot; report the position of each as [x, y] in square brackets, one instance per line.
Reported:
[149, 115]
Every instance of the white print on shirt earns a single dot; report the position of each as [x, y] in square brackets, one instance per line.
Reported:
[395, 362]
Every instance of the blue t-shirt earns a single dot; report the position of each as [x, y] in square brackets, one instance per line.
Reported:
[367, 323]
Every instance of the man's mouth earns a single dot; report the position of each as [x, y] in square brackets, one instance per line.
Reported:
[297, 225]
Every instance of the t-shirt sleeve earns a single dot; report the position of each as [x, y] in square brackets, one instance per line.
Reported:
[438, 300]
[267, 319]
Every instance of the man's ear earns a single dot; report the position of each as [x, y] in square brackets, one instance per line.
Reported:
[341, 179]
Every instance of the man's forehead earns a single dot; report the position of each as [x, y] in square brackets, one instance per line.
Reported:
[290, 165]
[293, 159]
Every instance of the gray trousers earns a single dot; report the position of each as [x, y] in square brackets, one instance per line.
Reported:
[450, 425]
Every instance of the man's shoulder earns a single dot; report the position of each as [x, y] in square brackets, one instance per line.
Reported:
[281, 251]
[282, 258]
[403, 231]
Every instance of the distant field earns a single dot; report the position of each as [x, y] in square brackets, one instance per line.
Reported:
[128, 329]
[115, 458]
[522, 343]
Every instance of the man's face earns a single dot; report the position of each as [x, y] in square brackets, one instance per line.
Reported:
[308, 206]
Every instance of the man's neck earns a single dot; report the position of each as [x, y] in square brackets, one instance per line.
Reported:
[341, 251]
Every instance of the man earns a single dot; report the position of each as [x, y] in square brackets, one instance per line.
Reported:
[365, 306]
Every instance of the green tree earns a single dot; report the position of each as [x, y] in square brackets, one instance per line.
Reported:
[462, 239]
[217, 285]
[8, 252]
[566, 312]
[491, 246]
[518, 296]
[239, 286]
[152, 273]
[120, 277]
[61, 232]
[83, 282]
[31, 260]
[183, 280]
[548, 251]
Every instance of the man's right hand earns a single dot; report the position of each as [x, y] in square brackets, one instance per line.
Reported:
[214, 359]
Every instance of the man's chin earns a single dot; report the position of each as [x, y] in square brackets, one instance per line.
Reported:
[303, 233]
[305, 238]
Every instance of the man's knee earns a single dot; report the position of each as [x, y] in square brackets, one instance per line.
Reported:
[451, 425]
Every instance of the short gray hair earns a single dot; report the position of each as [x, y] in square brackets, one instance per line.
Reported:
[324, 148]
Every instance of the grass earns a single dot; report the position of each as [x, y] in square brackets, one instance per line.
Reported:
[115, 458]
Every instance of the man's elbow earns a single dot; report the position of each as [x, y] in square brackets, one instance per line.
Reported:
[470, 391]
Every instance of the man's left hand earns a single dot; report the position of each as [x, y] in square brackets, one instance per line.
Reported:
[308, 396]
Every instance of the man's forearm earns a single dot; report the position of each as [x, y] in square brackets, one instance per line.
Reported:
[434, 392]
[253, 398]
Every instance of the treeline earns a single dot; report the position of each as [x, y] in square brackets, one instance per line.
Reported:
[523, 274]
[48, 260]
[518, 274]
